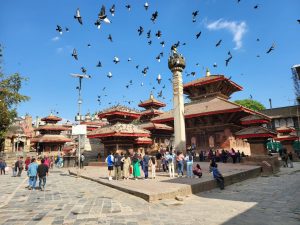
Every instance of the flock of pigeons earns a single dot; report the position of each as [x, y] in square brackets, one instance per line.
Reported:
[103, 18]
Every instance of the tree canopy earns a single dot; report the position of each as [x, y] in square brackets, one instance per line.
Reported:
[10, 97]
[251, 104]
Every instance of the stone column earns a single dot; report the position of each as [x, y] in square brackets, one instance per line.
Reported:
[176, 64]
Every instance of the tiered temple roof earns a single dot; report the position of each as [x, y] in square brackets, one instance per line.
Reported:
[119, 113]
[152, 103]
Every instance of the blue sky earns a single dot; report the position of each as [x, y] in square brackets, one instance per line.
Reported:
[35, 49]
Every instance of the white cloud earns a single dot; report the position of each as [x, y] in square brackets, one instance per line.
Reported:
[56, 38]
[238, 29]
[59, 50]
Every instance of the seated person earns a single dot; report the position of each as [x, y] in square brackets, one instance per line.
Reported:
[197, 171]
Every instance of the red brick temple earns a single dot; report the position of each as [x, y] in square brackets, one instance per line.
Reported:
[50, 138]
[257, 135]
[160, 133]
[211, 119]
[121, 134]
[287, 136]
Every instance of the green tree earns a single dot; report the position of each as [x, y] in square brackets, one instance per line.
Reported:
[9, 99]
[251, 104]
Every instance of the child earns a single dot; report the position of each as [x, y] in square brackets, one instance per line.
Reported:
[153, 166]
[197, 171]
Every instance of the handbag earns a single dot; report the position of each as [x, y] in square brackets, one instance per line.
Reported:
[6, 169]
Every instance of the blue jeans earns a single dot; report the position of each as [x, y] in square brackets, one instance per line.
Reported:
[42, 182]
[180, 167]
[32, 182]
[146, 171]
[189, 169]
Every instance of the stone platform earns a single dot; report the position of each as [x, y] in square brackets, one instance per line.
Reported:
[164, 187]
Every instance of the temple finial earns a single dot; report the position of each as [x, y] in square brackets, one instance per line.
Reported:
[207, 72]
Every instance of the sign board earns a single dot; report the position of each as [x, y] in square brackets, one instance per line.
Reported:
[78, 129]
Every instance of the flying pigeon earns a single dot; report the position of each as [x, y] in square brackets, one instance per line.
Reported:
[110, 38]
[59, 29]
[99, 64]
[129, 59]
[102, 15]
[128, 7]
[83, 70]
[271, 48]
[89, 45]
[109, 75]
[158, 34]
[228, 60]
[164, 86]
[127, 86]
[130, 82]
[219, 42]
[74, 54]
[257, 39]
[158, 79]
[159, 94]
[142, 84]
[98, 23]
[298, 21]
[198, 35]
[158, 58]
[255, 7]
[176, 45]
[215, 65]
[149, 34]
[112, 10]
[195, 14]
[146, 5]
[140, 30]
[161, 54]
[67, 29]
[77, 16]
[193, 74]
[137, 66]
[149, 42]
[116, 60]
[162, 44]
[154, 16]
[145, 70]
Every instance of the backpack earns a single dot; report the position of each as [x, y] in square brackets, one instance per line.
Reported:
[190, 158]
[117, 160]
[82, 158]
[170, 159]
[109, 160]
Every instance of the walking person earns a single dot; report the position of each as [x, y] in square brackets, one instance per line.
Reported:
[82, 158]
[117, 165]
[110, 164]
[122, 164]
[284, 157]
[180, 159]
[20, 166]
[153, 163]
[218, 176]
[290, 159]
[32, 173]
[126, 166]
[158, 160]
[146, 160]
[42, 172]
[2, 166]
[189, 165]
[136, 166]
[171, 160]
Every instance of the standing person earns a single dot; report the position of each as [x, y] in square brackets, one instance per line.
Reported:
[201, 156]
[158, 160]
[32, 173]
[146, 160]
[170, 159]
[126, 166]
[233, 155]
[46, 161]
[238, 156]
[42, 172]
[117, 165]
[136, 166]
[27, 162]
[20, 166]
[179, 159]
[82, 158]
[122, 165]
[218, 176]
[284, 157]
[110, 164]
[290, 159]
[153, 163]
[197, 171]
[189, 165]
[2, 166]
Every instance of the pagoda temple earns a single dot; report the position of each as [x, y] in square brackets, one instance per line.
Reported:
[121, 134]
[287, 136]
[160, 133]
[210, 118]
[50, 138]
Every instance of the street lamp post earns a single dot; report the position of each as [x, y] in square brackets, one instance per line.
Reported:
[176, 64]
[79, 117]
